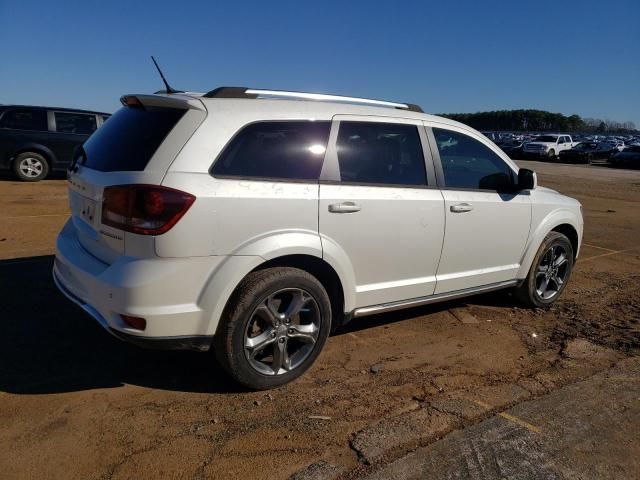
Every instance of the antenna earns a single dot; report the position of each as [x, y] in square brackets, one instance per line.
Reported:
[164, 80]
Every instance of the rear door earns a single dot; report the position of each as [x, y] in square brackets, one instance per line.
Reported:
[68, 130]
[21, 128]
[486, 228]
[136, 146]
[380, 210]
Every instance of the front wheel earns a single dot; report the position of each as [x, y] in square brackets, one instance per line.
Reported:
[273, 327]
[552, 154]
[549, 273]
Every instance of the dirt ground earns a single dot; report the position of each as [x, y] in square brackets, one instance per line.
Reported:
[78, 404]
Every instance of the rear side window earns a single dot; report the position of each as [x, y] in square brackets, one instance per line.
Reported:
[26, 119]
[467, 163]
[275, 150]
[380, 153]
[78, 123]
[130, 138]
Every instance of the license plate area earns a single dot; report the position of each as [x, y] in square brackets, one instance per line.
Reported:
[84, 208]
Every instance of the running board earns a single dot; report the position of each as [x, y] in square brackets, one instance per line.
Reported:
[441, 297]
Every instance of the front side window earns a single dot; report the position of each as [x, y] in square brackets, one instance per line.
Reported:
[467, 163]
[380, 153]
[79, 123]
[26, 119]
[276, 150]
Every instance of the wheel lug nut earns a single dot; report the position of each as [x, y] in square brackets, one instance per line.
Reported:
[273, 334]
[281, 339]
[291, 330]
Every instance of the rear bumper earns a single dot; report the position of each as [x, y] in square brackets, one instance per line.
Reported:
[200, 342]
[163, 291]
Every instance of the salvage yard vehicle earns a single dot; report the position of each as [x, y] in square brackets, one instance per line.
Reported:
[512, 148]
[627, 158]
[37, 140]
[547, 146]
[254, 222]
[584, 152]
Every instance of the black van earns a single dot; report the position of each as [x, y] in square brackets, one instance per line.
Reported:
[37, 140]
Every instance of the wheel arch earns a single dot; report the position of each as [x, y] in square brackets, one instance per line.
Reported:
[571, 233]
[40, 149]
[227, 277]
[321, 270]
[563, 221]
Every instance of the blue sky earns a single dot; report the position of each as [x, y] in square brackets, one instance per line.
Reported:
[448, 56]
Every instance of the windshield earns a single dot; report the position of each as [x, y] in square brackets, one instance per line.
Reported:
[546, 138]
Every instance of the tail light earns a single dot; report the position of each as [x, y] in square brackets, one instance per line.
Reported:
[144, 209]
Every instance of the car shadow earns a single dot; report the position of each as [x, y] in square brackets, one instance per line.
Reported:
[50, 345]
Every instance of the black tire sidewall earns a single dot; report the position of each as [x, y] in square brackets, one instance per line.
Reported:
[229, 341]
[553, 238]
[22, 156]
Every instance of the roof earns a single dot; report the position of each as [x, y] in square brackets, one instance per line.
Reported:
[286, 108]
[59, 109]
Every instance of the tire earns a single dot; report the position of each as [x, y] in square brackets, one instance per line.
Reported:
[30, 167]
[249, 315]
[529, 293]
[552, 155]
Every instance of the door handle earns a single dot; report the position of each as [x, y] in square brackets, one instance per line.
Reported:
[344, 207]
[461, 208]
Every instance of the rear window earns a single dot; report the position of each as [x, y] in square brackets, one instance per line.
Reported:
[275, 150]
[129, 139]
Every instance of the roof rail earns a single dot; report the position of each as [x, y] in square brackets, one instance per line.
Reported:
[243, 92]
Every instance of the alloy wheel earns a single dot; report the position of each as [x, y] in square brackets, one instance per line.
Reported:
[551, 272]
[31, 167]
[282, 331]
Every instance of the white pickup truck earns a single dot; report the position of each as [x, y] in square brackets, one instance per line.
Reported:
[548, 146]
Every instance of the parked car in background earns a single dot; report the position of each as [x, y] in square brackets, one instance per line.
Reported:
[493, 136]
[247, 221]
[37, 140]
[627, 158]
[547, 146]
[513, 148]
[583, 152]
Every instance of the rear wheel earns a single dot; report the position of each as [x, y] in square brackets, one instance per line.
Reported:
[549, 273]
[30, 167]
[552, 154]
[273, 328]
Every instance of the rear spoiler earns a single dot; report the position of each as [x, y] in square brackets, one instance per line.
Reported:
[174, 101]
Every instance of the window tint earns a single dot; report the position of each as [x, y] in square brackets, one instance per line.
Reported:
[380, 153]
[278, 150]
[129, 139]
[25, 120]
[80, 123]
[467, 163]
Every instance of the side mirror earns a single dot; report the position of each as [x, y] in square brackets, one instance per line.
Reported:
[527, 179]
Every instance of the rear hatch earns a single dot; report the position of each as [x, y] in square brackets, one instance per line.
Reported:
[136, 145]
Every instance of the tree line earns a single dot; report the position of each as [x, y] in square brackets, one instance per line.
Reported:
[538, 121]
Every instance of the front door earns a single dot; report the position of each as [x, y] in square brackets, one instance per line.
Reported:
[486, 230]
[379, 209]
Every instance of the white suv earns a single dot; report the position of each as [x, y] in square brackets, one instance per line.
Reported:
[254, 222]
